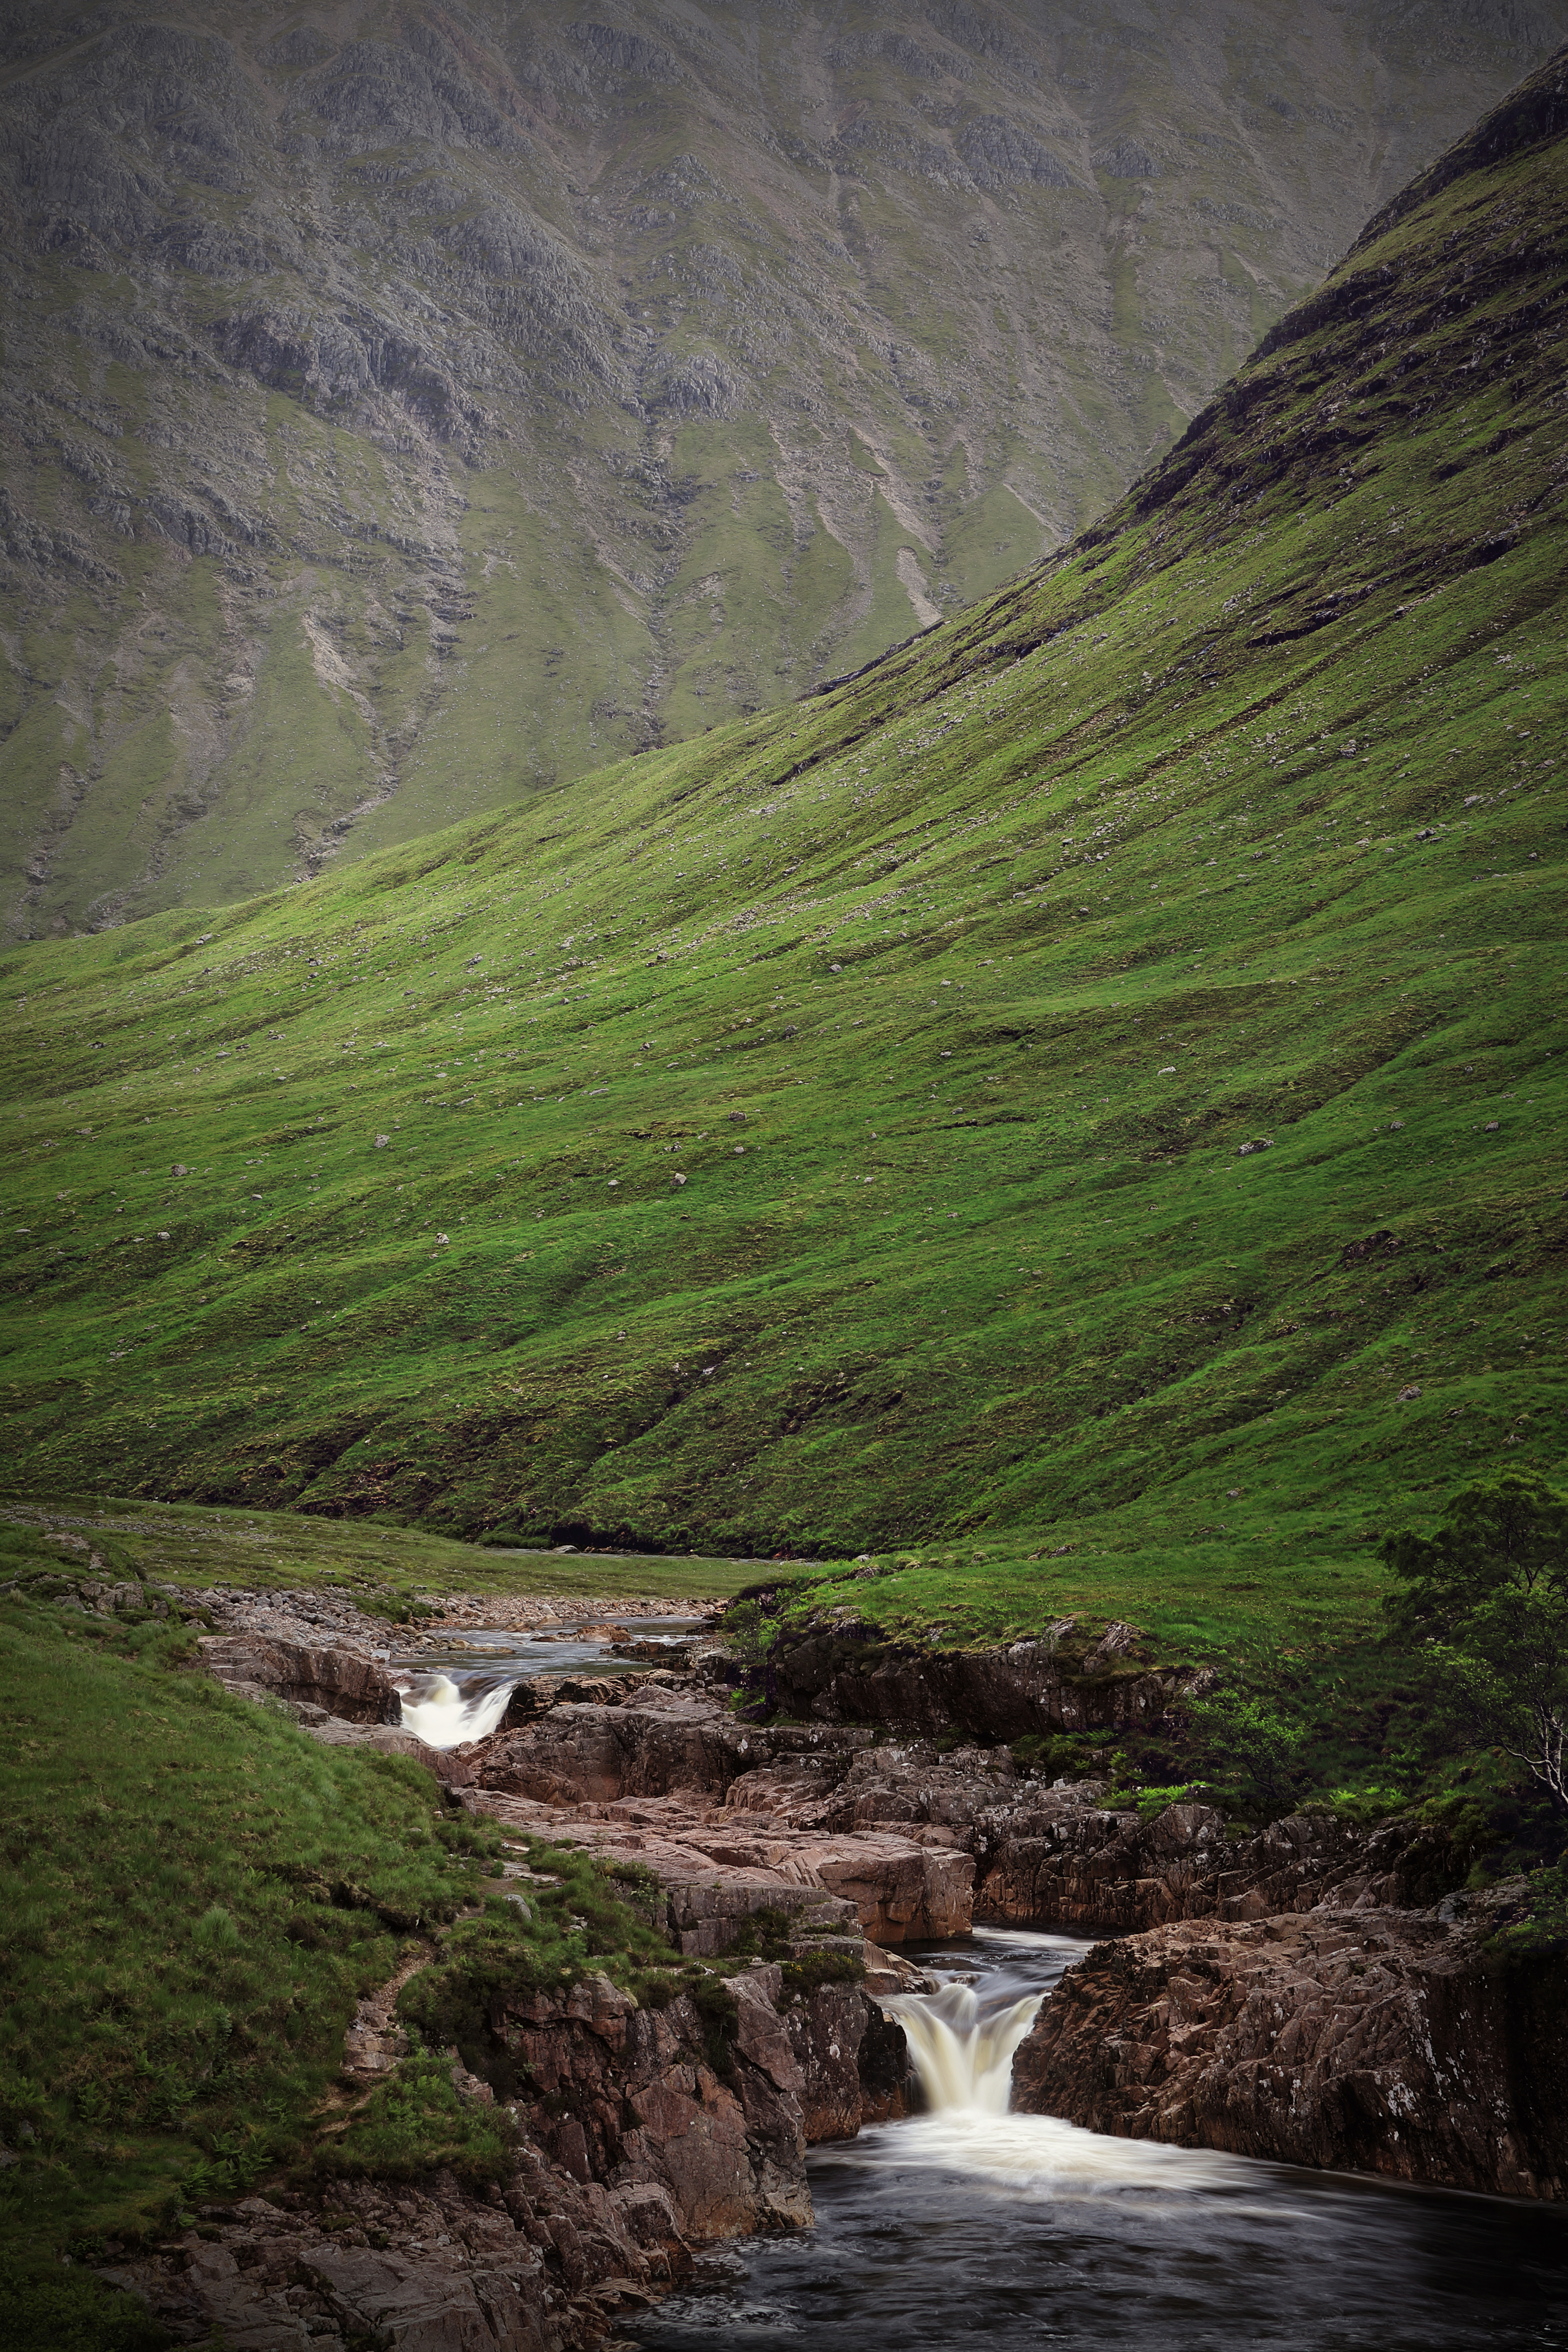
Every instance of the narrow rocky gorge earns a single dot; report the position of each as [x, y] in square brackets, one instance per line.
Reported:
[1310, 1992]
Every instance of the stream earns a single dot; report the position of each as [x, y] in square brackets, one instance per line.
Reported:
[968, 2226]
[463, 1694]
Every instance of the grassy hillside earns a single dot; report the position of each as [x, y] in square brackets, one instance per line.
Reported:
[188, 1929]
[833, 1133]
[197, 1894]
[402, 414]
[380, 1564]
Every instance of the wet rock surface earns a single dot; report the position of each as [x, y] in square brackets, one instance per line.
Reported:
[1370, 2038]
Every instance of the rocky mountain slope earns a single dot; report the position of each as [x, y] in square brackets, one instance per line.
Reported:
[402, 412]
[1095, 1070]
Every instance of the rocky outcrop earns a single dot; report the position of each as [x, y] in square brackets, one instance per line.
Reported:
[1310, 1990]
[839, 1669]
[661, 1739]
[342, 1681]
[1371, 2040]
[640, 2133]
[734, 1816]
[731, 1817]
[1058, 1858]
[539, 2263]
[855, 2063]
[640, 2098]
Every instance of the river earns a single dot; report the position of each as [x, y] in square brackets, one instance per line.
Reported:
[461, 1693]
[971, 2227]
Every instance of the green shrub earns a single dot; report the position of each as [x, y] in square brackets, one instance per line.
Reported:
[1365, 1806]
[71, 2311]
[1152, 1802]
[1252, 1747]
[1052, 1755]
[802, 1976]
[418, 2124]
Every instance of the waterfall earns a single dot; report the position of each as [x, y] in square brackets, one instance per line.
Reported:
[963, 2053]
[443, 1713]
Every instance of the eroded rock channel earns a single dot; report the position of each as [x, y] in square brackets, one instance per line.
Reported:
[1310, 1995]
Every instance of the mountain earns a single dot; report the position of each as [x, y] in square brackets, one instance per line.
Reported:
[405, 412]
[1091, 1080]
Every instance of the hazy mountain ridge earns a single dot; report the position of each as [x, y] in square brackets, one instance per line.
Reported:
[402, 412]
[816, 1191]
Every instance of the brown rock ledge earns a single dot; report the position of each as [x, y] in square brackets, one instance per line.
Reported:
[1369, 2040]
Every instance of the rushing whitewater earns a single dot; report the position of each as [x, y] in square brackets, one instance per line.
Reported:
[443, 1715]
[969, 2227]
[962, 2052]
[448, 1700]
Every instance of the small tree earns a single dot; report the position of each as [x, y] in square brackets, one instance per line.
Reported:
[1498, 1534]
[1506, 1674]
[1253, 1737]
[1489, 1593]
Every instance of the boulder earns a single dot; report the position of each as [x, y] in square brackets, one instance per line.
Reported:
[342, 1680]
[1370, 2038]
[901, 1890]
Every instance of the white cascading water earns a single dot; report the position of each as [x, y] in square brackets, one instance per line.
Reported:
[964, 2054]
[443, 1716]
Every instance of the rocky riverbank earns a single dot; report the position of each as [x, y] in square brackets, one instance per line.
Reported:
[630, 2151]
[1365, 2038]
[1310, 1991]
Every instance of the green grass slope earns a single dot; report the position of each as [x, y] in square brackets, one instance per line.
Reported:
[196, 1895]
[834, 1132]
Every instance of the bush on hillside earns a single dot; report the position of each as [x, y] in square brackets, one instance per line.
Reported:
[1489, 1593]
[1505, 1674]
[1509, 1532]
[1255, 1751]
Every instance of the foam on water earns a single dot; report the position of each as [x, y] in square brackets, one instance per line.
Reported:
[444, 1713]
[969, 2226]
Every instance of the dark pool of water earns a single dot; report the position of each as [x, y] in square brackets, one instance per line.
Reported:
[968, 2230]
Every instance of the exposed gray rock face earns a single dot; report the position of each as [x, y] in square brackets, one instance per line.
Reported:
[371, 356]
